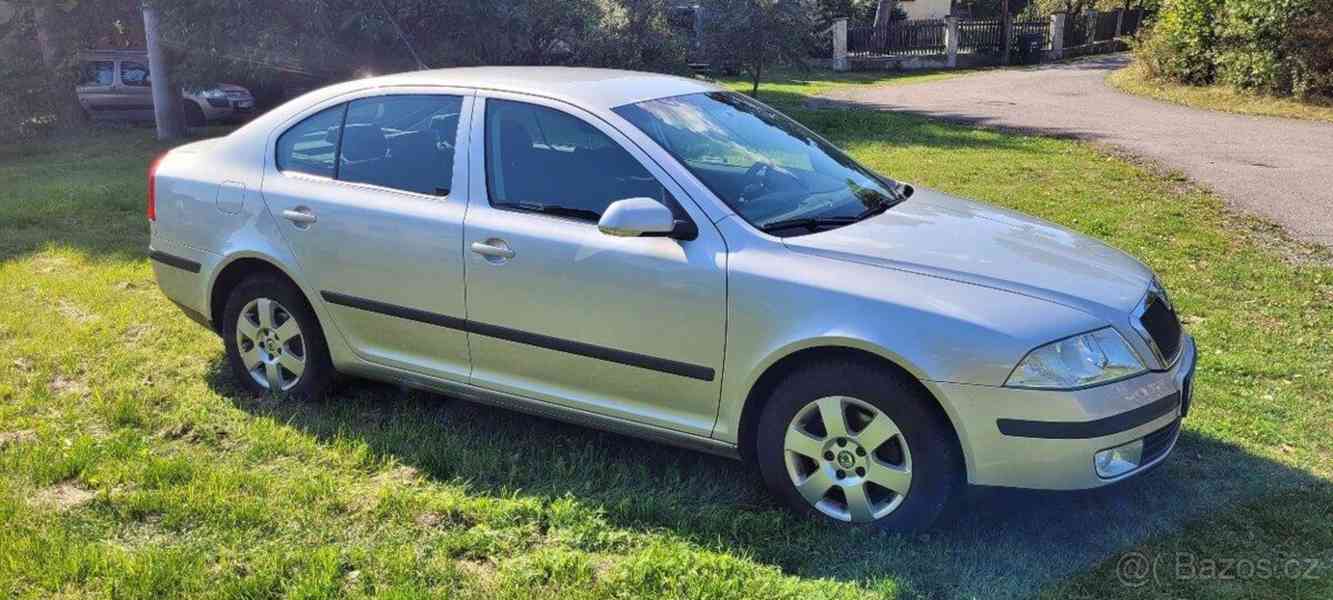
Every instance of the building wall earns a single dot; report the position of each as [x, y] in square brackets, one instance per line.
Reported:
[925, 9]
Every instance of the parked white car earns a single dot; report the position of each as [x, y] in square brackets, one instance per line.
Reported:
[657, 256]
[115, 85]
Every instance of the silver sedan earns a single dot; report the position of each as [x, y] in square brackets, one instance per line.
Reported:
[660, 257]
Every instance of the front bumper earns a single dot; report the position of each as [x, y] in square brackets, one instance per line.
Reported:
[1047, 439]
[227, 108]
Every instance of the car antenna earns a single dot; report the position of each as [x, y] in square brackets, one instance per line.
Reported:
[421, 65]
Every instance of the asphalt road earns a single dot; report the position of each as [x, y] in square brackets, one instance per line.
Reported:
[1280, 169]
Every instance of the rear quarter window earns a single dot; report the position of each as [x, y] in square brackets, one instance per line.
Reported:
[311, 146]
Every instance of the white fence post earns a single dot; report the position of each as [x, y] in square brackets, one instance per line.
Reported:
[1058, 35]
[951, 40]
[840, 62]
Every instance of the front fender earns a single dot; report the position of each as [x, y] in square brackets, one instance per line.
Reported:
[936, 329]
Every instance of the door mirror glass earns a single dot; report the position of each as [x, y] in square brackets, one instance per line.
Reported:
[636, 217]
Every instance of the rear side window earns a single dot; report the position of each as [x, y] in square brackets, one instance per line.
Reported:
[134, 74]
[311, 146]
[544, 160]
[102, 72]
[401, 142]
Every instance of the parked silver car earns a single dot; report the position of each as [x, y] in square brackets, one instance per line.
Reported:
[660, 257]
[115, 85]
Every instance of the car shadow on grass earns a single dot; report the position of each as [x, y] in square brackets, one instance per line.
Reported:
[1004, 543]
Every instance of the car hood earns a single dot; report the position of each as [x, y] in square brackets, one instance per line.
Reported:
[939, 235]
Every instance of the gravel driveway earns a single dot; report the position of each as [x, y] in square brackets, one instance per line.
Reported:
[1281, 169]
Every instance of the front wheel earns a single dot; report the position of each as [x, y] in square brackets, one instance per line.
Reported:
[274, 342]
[858, 444]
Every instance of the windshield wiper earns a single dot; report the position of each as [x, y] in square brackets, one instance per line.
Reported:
[817, 223]
[811, 223]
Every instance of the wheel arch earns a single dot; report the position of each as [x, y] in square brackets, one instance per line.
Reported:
[764, 385]
[237, 270]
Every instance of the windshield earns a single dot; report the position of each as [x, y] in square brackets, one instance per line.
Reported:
[773, 172]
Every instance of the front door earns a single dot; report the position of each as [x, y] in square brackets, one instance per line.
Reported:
[558, 311]
[370, 198]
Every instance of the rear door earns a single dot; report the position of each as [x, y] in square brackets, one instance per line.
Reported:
[134, 92]
[369, 194]
[631, 328]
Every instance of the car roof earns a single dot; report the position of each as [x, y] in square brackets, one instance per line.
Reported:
[586, 87]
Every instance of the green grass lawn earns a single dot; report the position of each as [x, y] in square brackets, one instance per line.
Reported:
[132, 466]
[1134, 80]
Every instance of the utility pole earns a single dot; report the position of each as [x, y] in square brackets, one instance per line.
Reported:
[1004, 26]
[166, 99]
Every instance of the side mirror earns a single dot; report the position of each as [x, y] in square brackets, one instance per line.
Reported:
[640, 217]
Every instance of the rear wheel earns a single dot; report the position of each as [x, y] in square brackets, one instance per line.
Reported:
[274, 342]
[858, 444]
[194, 116]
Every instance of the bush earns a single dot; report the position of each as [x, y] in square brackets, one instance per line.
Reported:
[1310, 51]
[1280, 47]
[1180, 45]
[1251, 33]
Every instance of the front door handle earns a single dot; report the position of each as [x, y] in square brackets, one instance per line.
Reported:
[493, 249]
[300, 216]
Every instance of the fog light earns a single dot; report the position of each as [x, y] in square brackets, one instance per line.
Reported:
[1119, 460]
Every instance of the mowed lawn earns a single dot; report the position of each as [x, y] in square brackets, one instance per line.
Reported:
[132, 466]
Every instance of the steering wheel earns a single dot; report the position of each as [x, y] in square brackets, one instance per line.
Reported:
[756, 178]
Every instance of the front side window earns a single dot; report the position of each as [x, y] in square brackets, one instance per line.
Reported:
[311, 146]
[134, 74]
[101, 72]
[543, 160]
[770, 170]
[401, 142]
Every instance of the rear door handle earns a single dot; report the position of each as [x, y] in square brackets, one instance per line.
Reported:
[493, 249]
[300, 216]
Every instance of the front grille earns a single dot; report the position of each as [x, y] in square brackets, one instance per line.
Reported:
[1158, 442]
[1160, 321]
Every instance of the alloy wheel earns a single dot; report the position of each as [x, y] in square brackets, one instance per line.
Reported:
[848, 459]
[271, 344]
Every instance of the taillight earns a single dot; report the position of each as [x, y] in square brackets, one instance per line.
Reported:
[152, 188]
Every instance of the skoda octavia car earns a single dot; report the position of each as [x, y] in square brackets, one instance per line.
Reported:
[660, 257]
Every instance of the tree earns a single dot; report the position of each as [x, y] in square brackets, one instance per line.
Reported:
[856, 11]
[166, 96]
[884, 12]
[51, 32]
[755, 34]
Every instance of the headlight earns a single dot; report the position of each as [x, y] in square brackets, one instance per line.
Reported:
[1079, 361]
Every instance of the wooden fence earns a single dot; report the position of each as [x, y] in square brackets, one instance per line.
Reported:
[919, 37]
[1092, 27]
[927, 37]
[932, 43]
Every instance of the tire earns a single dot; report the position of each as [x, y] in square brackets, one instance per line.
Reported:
[194, 116]
[265, 355]
[916, 440]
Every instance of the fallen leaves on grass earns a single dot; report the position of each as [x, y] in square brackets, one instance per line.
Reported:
[63, 496]
[63, 385]
[72, 312]
[8, 438]
[136, 333]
